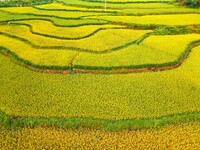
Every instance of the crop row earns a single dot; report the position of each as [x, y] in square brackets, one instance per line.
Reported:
[39, 26]
[141, 21]
[7, 18]
[65, 10]
[52, 95]
[138, 10]
[57, 14]
[143, 56]
[130, 56]
[184, 136]
[181, 19]
[80, 3]
[37, 56]
[47, 29]
[32, 99]
[159, 29]
[68, 8]
[104, 40]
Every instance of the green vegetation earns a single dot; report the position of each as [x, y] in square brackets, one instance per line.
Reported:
[21, 3]
[189, 3]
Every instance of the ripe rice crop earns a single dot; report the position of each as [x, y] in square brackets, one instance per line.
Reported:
[58, 6]
[47, 28]
[170, 44]
[80, 3]
[37, 12]
[159, 11]
[129, 56]
[41, 57]
[120, 97]
[101, 41]
[181, 19]
[57, 21]
[184, 136]
[4, 16]
[137, 9]
[74, 73]
[153, 50]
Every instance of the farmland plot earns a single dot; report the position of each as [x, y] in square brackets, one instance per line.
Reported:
[72, 65]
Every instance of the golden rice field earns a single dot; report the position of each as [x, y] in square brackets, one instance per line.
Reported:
[181, 19]
[115, 38]
[75, 75]
[184, 136]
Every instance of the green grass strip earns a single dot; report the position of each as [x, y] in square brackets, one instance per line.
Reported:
[15, 123]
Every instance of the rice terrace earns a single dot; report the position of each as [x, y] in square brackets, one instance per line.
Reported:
[100, 74]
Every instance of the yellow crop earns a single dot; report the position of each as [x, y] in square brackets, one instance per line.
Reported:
[153, 50]
[134, 8]
[46, 27]
[139, 11]
[181, 19]
[103, 40]
[183, 136]
[117, 6]
[79, 35]
[170, 44]
[68, 7]
[51, 57]
[119, 97]
[33, 11]
[131, 55]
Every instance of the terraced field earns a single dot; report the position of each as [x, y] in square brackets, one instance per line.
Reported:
[71, 68]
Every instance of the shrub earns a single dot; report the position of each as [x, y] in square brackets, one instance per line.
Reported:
[20, 3]
[189, 3]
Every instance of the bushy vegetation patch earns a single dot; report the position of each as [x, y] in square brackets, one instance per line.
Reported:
[189, 3]
[22, 3]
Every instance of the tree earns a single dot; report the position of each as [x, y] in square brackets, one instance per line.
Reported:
[189, 3]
